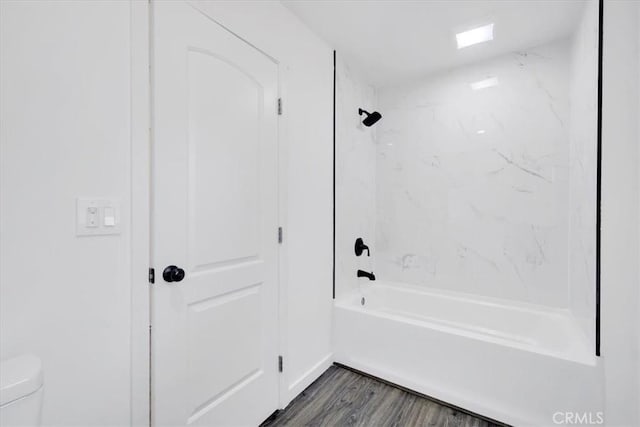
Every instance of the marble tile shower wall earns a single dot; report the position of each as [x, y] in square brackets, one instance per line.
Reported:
[583, 96]
[473, 185]
[355, 176]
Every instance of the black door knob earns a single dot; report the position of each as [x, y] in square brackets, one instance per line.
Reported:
[173, 274]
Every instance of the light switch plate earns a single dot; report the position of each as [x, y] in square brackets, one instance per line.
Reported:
[91, 219]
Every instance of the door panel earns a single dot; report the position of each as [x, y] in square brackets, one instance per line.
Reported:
[225, 109]
[214, 339]
[208, 324]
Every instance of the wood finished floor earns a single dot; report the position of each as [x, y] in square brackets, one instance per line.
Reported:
[341, 397]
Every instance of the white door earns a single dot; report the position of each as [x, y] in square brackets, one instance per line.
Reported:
[214, 336]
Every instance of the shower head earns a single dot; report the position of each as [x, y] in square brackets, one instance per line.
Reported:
[371, 118]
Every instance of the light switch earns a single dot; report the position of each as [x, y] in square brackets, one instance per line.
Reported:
[109, 216]
[97, 216]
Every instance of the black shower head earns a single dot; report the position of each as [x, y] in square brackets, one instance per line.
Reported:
[371, 118]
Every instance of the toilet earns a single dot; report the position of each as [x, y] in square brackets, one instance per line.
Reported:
[21, 391]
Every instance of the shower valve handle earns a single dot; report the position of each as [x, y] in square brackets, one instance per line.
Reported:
[360, 247]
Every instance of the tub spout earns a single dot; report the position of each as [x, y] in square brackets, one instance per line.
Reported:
[368, 275]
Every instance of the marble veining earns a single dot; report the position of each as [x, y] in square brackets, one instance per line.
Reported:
[473, 185]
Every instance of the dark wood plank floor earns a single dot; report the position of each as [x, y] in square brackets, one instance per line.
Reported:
[341, 397]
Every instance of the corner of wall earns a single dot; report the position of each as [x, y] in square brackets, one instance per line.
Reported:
[620, 275]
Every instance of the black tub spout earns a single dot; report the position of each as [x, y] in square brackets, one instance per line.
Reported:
[366, 274]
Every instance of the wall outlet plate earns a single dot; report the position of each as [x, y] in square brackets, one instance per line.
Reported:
[97, 216]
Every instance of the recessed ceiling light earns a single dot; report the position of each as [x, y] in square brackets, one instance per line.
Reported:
[481, 131]
[483, 84]
[475, 36]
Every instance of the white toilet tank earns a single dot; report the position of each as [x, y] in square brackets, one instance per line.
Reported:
[21, 391]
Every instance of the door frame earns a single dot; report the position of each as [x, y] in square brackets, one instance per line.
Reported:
[141, 18]
[140, 194]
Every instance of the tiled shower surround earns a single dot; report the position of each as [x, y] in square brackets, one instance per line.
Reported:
[487, 191]
[355, 176]
[583, 134]
[473, 184]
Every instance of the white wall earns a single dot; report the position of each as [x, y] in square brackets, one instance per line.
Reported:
[307, 82]
[620, 277]
[583, 142]
[67, 98]
[355, 177]
[473, 184]
[65, 133]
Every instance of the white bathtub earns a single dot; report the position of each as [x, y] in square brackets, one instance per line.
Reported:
[513, 362]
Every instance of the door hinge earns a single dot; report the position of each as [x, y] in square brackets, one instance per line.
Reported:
[280, 364]
[152, 275]
[279, 106]
[280, 237]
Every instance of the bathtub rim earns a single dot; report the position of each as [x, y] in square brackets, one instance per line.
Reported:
[464, 296]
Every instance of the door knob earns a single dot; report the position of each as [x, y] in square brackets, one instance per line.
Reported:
[173, 274]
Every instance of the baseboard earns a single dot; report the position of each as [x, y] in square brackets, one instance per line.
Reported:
[305, 380]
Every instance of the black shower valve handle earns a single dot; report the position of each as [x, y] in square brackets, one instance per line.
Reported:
[360, 247]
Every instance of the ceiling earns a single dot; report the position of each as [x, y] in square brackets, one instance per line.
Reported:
[391, 41]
